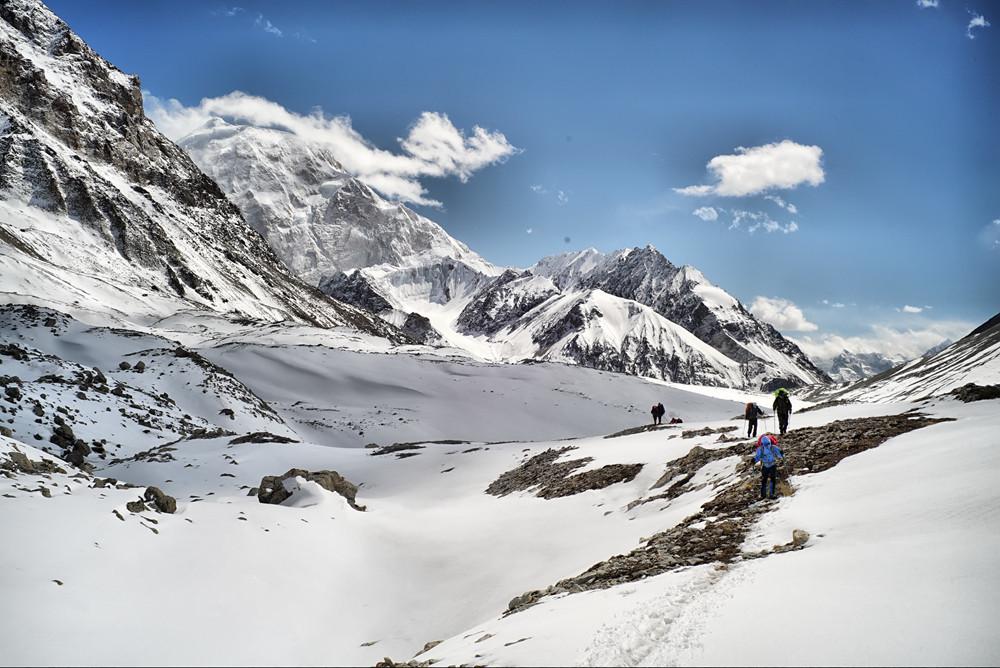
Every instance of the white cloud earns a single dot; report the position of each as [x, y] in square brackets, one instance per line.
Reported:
[706, 213]
[977, 21]
[781, 313]
[910, 309]
[228, 11]
[530, 230]
[267, 26]
[827, 302]
[787, 206]
[434, 147]
[758, 220]
[926, 4]
[889, 341]
[754, 170]
[561, 197]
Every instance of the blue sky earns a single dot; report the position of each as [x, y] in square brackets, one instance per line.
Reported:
[617, 105]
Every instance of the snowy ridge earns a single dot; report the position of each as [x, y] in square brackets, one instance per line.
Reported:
[102, 215]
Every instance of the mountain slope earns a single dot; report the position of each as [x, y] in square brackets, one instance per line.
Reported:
[318, 218]
[975, 358]
[102, 214]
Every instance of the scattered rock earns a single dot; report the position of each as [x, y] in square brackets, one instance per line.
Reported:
[124, 366]
[428, 647]
[135, 506]
[799, 537]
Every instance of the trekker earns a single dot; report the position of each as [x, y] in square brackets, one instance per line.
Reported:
[752, 412]
[768, 454]
[783, 407]
[655, 412]
[660, 412]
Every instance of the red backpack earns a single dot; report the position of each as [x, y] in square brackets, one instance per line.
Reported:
[774, 439]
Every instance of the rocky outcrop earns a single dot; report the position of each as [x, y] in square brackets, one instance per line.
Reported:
[972, 392]
[272, 489]
[716, 532]
[553, 479]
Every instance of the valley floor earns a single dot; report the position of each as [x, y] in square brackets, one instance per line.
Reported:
[900, 568]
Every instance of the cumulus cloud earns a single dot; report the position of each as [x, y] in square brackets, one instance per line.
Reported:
[536, 188]
[910, 309]
[754, 170]
[927, 4]
[787, 206]
[893, 342]
[977, 21]
[433, 147]
[706, 213]
[267, 26]
[783, 314]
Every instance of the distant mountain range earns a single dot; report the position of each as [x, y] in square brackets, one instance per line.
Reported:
[631, 311]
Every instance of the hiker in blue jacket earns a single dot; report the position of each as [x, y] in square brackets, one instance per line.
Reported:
[768, 454]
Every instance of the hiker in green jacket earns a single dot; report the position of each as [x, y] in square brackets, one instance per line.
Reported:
[783, 407]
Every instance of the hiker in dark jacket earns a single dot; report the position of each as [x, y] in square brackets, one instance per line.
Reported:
[768, 454]
[751, 414]
[655, 412]
[660, 412]
[783, 407]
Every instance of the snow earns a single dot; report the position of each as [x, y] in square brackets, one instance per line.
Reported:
[900, 570]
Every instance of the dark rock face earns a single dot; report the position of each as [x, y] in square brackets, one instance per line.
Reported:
[354, 289]
[419, 328]
[555, 479]
[501, 303]
[972, 392]
[272, 489]
[261, 437]
[716, 533]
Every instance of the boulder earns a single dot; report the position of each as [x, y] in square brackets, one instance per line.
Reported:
[272, 488]
[163, 502]
[799, 537]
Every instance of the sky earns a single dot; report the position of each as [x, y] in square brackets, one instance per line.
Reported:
[831, 164]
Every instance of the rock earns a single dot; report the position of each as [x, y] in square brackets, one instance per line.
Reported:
[272, 488]
[124, 366]
[972, 392]
[6, 431]
[429, 646]
[13, 393]
[139, 367]
[38, 410]
[799, 537]
[228, 412]
[135, 506]
[21, 462]
[163, 502]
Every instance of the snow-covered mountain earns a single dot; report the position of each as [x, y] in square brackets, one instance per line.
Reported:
[336, 232]
[975, 358]
[318, 218]
[101, 214]
[684, 296]
[850, 367]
